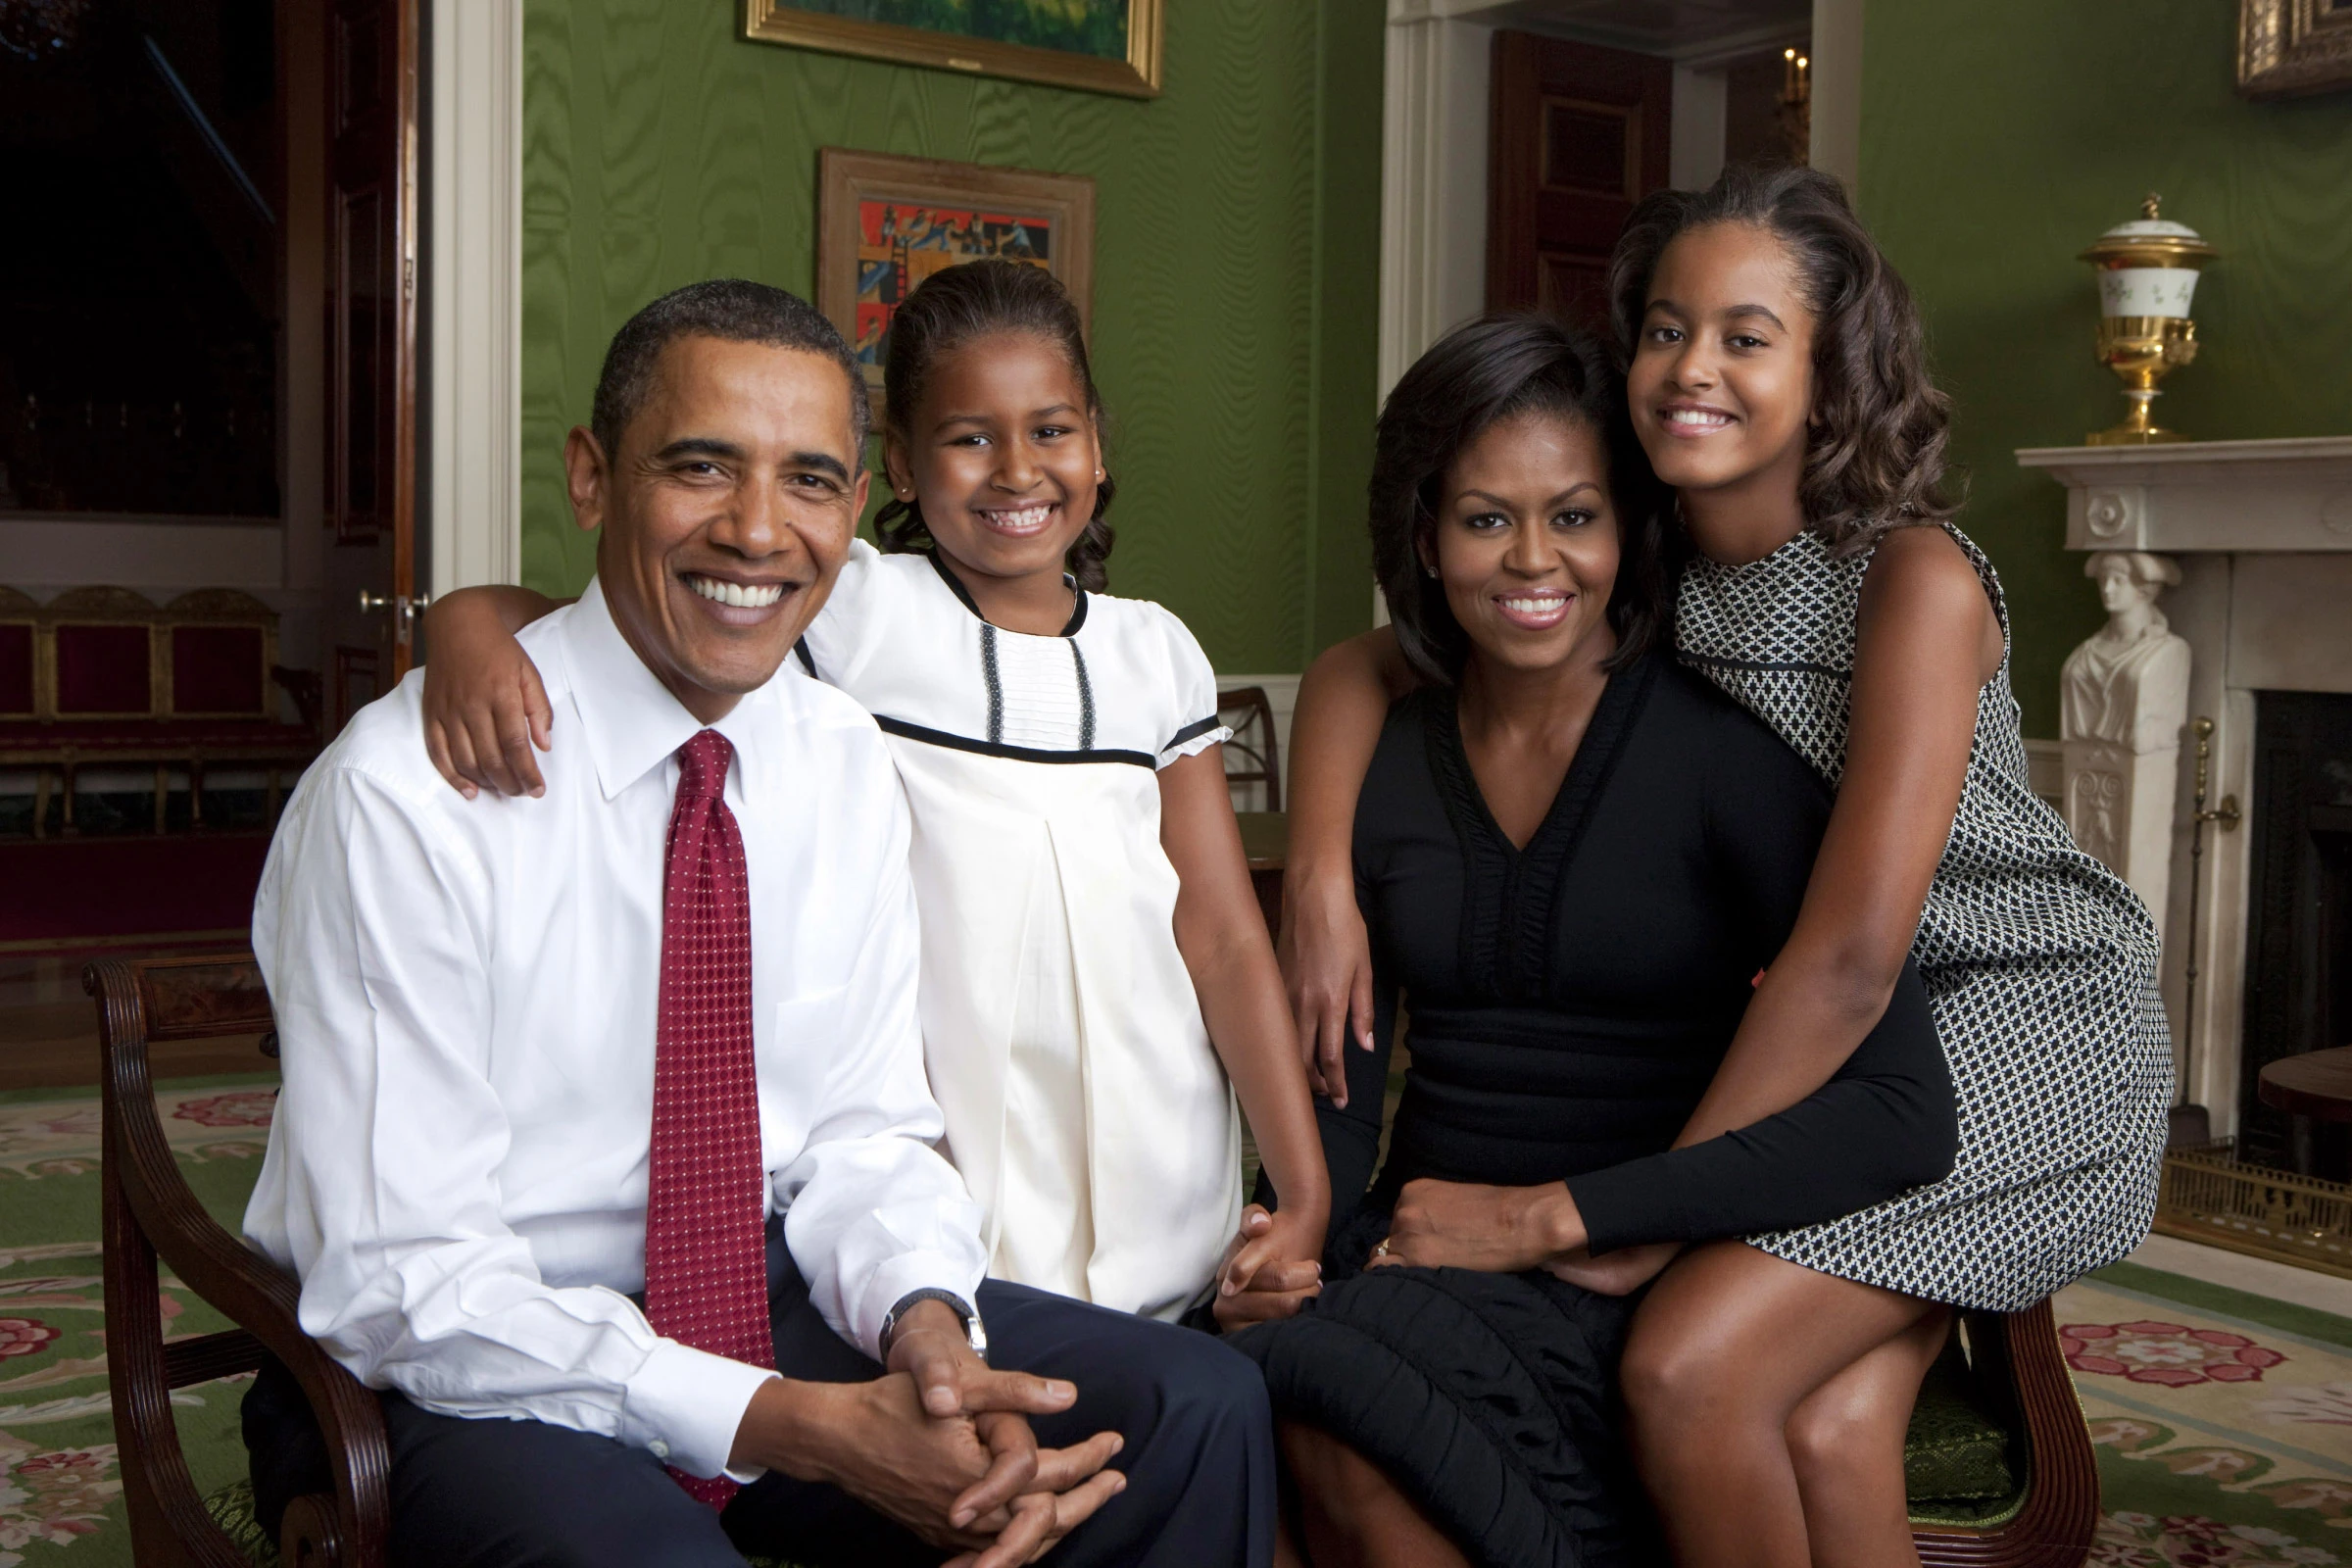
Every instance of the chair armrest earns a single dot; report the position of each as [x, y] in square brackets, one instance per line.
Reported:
[2017, 1354]
[250, 1289]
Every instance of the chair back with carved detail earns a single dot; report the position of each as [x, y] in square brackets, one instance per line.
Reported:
[1252, 756]
[152, 1219]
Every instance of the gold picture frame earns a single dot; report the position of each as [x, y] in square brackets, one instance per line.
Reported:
[1135, 76]
[884, 224]
[2290, 48]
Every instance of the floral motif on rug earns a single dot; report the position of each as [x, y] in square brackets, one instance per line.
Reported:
[2221, 1441]
[2171, 1353]
[62, 1137]
[60, 1482]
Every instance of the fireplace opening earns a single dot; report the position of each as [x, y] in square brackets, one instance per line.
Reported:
[2299, 938]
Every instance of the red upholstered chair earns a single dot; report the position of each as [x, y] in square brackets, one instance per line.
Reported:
[103, 653]
[219, 671]
[222, 680]
[115, 681]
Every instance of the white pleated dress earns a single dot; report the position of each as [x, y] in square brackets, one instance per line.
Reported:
[1085, 1104]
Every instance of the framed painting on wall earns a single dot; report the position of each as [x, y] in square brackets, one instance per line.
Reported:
[2287, 48]
[886, 224]
[1100, 45]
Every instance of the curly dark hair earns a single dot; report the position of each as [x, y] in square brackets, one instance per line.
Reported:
[950, 307]
[1495, 369]
[1875, 458]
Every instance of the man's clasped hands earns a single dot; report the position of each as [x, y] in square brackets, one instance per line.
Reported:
[942, 1443]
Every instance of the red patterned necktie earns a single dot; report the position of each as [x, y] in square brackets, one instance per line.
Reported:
[706, 1258]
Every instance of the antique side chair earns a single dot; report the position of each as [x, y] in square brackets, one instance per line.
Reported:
[151, 1216]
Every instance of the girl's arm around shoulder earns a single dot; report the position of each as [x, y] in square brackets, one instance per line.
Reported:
[1927, 640]
[485, 707]
[1326, 952]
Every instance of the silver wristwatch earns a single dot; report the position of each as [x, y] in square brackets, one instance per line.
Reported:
[972, 1327]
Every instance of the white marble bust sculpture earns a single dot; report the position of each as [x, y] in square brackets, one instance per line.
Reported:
[2127, 685]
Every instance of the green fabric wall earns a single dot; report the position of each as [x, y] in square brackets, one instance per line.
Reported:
[1236, 257]
[1998, 139]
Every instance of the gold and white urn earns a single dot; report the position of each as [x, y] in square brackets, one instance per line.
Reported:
[2147, 281]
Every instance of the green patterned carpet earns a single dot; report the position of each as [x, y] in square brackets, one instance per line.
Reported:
[59, 1493]
[2223, 1421]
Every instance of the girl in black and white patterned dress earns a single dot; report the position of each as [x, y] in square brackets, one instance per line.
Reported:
[1777, 379]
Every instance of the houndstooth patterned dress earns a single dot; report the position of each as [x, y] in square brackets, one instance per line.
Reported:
[2040, 963]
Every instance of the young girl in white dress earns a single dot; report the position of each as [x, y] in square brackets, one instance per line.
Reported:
[1098, 981]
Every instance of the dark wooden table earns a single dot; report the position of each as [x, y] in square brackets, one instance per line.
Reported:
[2316, 1085]
[1265, 840]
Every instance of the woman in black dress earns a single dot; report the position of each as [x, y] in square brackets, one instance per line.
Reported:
[1574, 859]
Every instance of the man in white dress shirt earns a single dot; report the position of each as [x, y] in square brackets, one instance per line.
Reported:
[605, 1149]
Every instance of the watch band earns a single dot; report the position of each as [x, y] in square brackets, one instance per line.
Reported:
[972, 1331]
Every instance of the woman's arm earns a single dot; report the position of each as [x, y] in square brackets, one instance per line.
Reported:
[484, 706]
[1343, 702]
[1927, 641]
[1222, 934]
[1887, 1122]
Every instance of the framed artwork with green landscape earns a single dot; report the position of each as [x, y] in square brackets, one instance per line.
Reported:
[1100, 45]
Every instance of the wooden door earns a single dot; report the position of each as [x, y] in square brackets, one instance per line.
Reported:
[370, 392]
[1579, 135]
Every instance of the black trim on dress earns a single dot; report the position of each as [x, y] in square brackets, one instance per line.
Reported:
[1506, 930]
[1086, 701]
[1198, 726]
[1018, 754]
[995, 686]
[955, 586]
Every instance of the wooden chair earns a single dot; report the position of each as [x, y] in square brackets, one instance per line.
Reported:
[1252, 755]
[150, 1214]
[2015, 1380]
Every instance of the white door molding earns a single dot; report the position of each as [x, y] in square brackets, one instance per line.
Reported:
[1433, 196]
[1837, 144]
[476, 299]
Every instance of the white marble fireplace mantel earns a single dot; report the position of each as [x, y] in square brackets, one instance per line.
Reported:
[2193, 495]
[2261, 531]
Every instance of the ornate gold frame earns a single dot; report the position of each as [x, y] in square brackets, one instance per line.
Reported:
[844, 177]
[1135, 76]
[2288, 48]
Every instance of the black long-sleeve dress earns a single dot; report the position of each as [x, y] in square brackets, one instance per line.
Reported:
[1569, 1003]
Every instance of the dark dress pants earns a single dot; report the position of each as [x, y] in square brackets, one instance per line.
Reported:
[494, 1493]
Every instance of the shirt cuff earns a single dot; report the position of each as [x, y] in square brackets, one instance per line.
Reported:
[1632, 1204]
[900, 1277]
[685, 1406]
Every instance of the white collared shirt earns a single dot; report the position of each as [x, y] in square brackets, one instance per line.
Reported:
[465, 995]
